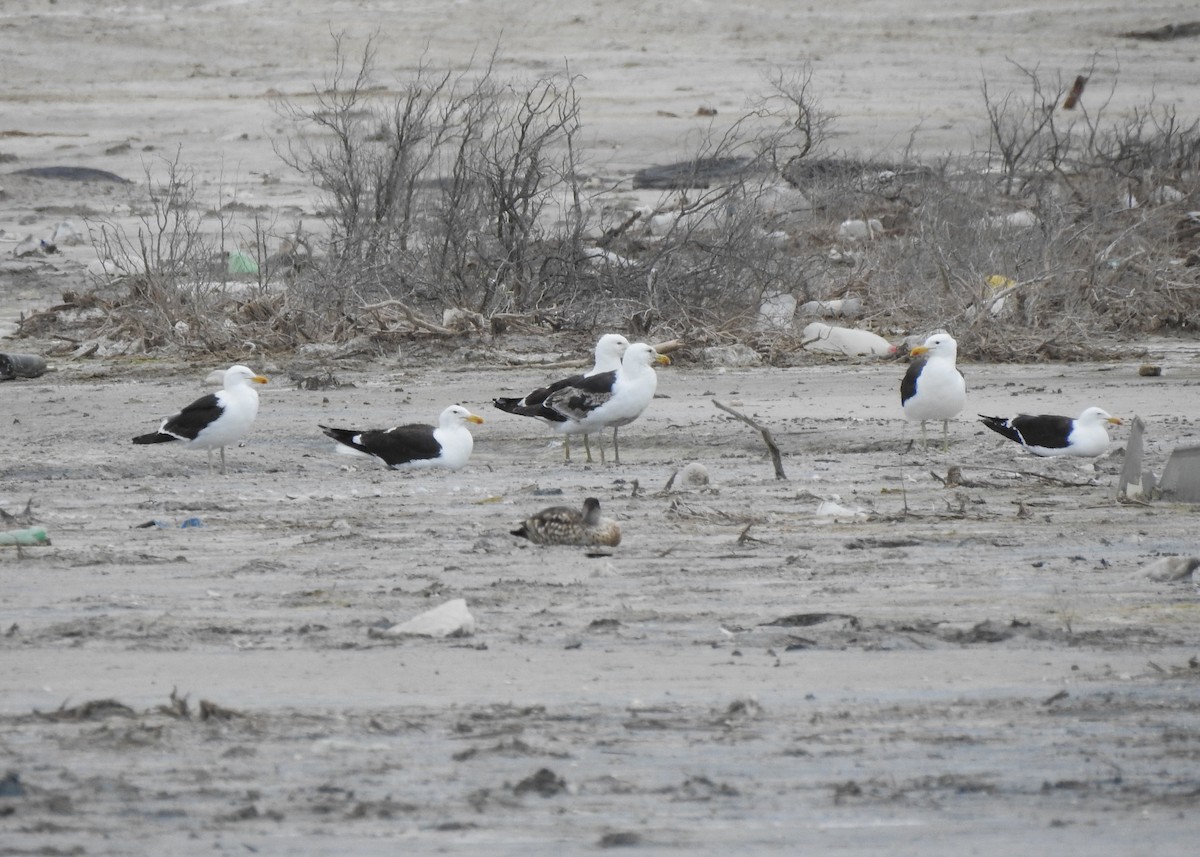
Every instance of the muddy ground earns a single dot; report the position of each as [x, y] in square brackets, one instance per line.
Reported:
[955, 669]
[983, 668]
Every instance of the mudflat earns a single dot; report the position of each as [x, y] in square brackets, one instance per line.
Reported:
[867, 657]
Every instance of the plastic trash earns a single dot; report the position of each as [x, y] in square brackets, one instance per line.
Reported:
[848, 341]
[242, 263]
[11, 786]
[27, 246]
[836, 308]
[29, 537]
[860, 230]
[1181, 476]
[451, 619]
[160, 524]
[835, 510]
[66, 234]
[1135, 482]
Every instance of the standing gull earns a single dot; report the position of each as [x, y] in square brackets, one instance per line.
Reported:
[563, 525]
[609, 351]
[590, 403]
[215, 420]
[1047, 435]
[448, 444]
[933, 388]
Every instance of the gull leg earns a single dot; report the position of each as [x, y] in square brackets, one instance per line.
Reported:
[587, 446]
[616, 446]
[924, 437]
[567, 448]
[210, 461]
[600, 443]
[946, 435]
[223, 471]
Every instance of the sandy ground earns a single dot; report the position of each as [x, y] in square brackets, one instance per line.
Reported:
[981, 669]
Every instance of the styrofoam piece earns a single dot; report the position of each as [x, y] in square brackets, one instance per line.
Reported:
[1181, 477]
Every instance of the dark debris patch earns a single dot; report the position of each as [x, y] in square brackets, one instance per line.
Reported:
[72, 174]
[544, 782]
[700, 173]
[1165, 33]
[94, 709]
[807, 620]
[620, 839]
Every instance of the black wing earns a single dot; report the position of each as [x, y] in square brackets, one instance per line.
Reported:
[534, 405]
[1002, 426]
[908, 387]
[393, 446]
[194, 418]
[581, 398]
[1051, 432]
[1047, 431]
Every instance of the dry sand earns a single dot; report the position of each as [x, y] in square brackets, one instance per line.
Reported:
[979, 669]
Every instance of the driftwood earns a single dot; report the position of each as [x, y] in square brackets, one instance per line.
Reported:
[1166, 33]
[411, 316]
[776, 458]
[667, 347]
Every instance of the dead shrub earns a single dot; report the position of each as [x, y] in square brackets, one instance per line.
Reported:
[459, 204]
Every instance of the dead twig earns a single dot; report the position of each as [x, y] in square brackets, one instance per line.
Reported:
[412, 318]
[772, 448]
[93, 709]
[745, 538]
[617, 231]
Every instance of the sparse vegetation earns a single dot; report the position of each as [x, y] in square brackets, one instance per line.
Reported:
[460, 201]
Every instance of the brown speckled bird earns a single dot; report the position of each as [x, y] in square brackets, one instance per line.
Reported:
[562, 525]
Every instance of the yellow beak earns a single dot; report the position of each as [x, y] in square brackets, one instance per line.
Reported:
[662, 360]
[918, 351]
[259, 379]
[474, 419]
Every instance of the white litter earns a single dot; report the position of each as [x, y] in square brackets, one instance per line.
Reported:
[848, 341]
[860, 230]
[451, 619]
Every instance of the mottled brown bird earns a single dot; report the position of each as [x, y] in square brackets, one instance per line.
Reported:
[562, 525]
